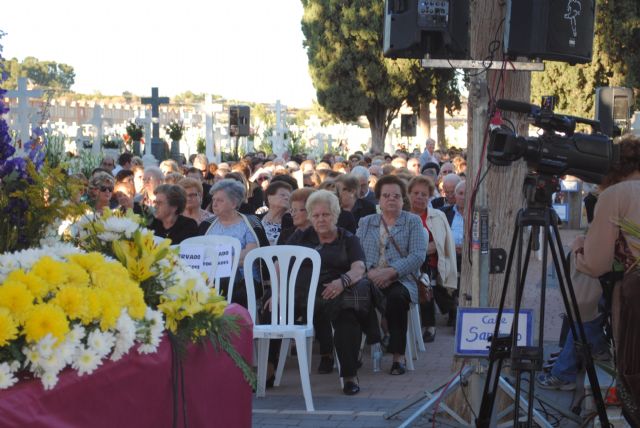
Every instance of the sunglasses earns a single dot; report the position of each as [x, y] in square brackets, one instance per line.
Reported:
[105, 189]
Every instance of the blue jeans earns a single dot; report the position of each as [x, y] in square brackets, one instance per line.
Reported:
[565, 367]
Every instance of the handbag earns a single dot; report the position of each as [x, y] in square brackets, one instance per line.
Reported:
[425, 293]
[358, 296]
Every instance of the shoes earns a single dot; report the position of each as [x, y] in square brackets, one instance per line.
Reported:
[549, 381]
[326, 365]
[397, 369]
[351, 388]
[548, 366]
[270, 381]
[429, 336]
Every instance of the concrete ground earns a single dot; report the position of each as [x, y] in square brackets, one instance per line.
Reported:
[380, 392]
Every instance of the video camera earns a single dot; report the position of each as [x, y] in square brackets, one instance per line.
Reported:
[559, 150]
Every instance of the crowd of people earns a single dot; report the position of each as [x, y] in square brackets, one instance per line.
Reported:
[378, 222]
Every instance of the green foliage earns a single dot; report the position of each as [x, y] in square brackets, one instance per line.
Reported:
[201, 145]
[616, 62]
[346, 65]
[58, 77]
[55, 150]
[84, 163]
[135, 131]
[297, 145]
[175, 130]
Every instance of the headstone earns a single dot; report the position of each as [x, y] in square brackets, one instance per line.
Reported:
[144, 118]
[278, 140]
[22, 94]
[79, 139]
[96, 121]
[157, 146]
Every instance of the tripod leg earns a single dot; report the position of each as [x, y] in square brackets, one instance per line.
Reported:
[495, 357]
[570, 306]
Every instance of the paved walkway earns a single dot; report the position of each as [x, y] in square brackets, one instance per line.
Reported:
[380, 392]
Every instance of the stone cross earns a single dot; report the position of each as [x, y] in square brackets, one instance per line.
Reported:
[279, 140]
[96, 121]
[208, 126]
[23, 95]
[157, 147]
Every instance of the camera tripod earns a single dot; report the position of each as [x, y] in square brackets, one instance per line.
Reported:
[538, 214]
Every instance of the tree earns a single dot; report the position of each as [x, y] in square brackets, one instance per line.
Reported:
[55, 76]
[350, 75]
[615, 62]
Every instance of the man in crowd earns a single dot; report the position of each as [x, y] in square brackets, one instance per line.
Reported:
[449, 183]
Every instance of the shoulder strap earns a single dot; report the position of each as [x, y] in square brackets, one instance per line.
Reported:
[393, 241]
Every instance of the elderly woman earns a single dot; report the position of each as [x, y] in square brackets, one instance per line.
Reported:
[299, 218]
[193, 189]
[169, 222]
[152, 178]
[277, 198]
[395, 246]
[342, 267]
[101, 190]
[441, 253]
[227, 196]
[348, 187]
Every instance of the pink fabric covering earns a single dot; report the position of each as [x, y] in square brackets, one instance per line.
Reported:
[137, 391]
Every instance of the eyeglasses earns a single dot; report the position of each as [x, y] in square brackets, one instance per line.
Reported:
[193, 195]
[105, 189]
[391, 196]
[262, 178]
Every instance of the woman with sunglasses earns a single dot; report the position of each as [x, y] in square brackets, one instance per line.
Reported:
[100, 191]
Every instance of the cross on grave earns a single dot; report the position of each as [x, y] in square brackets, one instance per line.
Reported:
[279, 140]
[208, 126]
[96, 121]
[23, 95]
[157, 147]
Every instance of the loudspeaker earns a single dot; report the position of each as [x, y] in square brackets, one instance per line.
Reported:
[415, 28]
[613, 109]
[559, 30]
[408, 125]
[239, 121]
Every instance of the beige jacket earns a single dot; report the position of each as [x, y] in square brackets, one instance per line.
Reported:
[620, 201]
[445, 247]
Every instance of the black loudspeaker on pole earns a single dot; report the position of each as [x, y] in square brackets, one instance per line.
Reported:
[239, 121]
[613, 109]
[408, 125]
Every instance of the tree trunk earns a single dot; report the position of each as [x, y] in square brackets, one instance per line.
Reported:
[378, 126]
[425, 119]
[442, 141]
[505, 197]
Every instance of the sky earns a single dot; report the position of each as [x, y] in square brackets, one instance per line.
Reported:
[248, 50]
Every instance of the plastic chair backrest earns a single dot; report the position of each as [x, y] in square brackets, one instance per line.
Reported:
[283, 280]
[210, 242]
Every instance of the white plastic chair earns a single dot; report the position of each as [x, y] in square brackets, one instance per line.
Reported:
[283, 324]
[210, 242]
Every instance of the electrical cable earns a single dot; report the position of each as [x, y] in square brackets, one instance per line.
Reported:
[441, 396]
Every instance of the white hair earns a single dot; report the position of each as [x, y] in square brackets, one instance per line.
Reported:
[324, 197]
[451, 179]
[360, 172]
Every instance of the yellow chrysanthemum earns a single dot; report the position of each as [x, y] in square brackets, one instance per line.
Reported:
[46, 319]
[50, 270]
[36, 285]
[110, 310]
[73, 301]
[16, 298]
[88, 261]
[8, 327]
[93, 308]
[76, 275]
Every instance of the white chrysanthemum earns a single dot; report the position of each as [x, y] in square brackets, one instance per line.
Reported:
[7, 379]
[32, 355]
[14, 366]
[121, 225]
[101, 343]
[76, 335]
[67, 350]
[108, 236]
[148, 348]
[86, 361]
[125, 338]
[45, 345]
[49, 380]
[54, 362]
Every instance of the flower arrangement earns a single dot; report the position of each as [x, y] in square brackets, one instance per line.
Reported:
[62, 307]
[193, 311]
[111, 142]
[175, 130]
[134, 132]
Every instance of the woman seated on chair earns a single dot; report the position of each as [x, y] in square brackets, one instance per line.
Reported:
[169, 203]
[395, 246]
[440, 263]
[342, 267]
[227, 196]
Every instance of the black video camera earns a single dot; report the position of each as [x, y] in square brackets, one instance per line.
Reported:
[559, 150]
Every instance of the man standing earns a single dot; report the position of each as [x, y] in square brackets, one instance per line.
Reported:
[427, 155]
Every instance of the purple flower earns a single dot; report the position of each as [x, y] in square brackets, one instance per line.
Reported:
[15, 168]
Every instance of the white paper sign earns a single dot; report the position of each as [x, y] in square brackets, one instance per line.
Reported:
[475, 325]
[225, 257]
[193, 256]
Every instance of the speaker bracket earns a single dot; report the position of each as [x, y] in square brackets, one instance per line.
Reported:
[479, 65]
